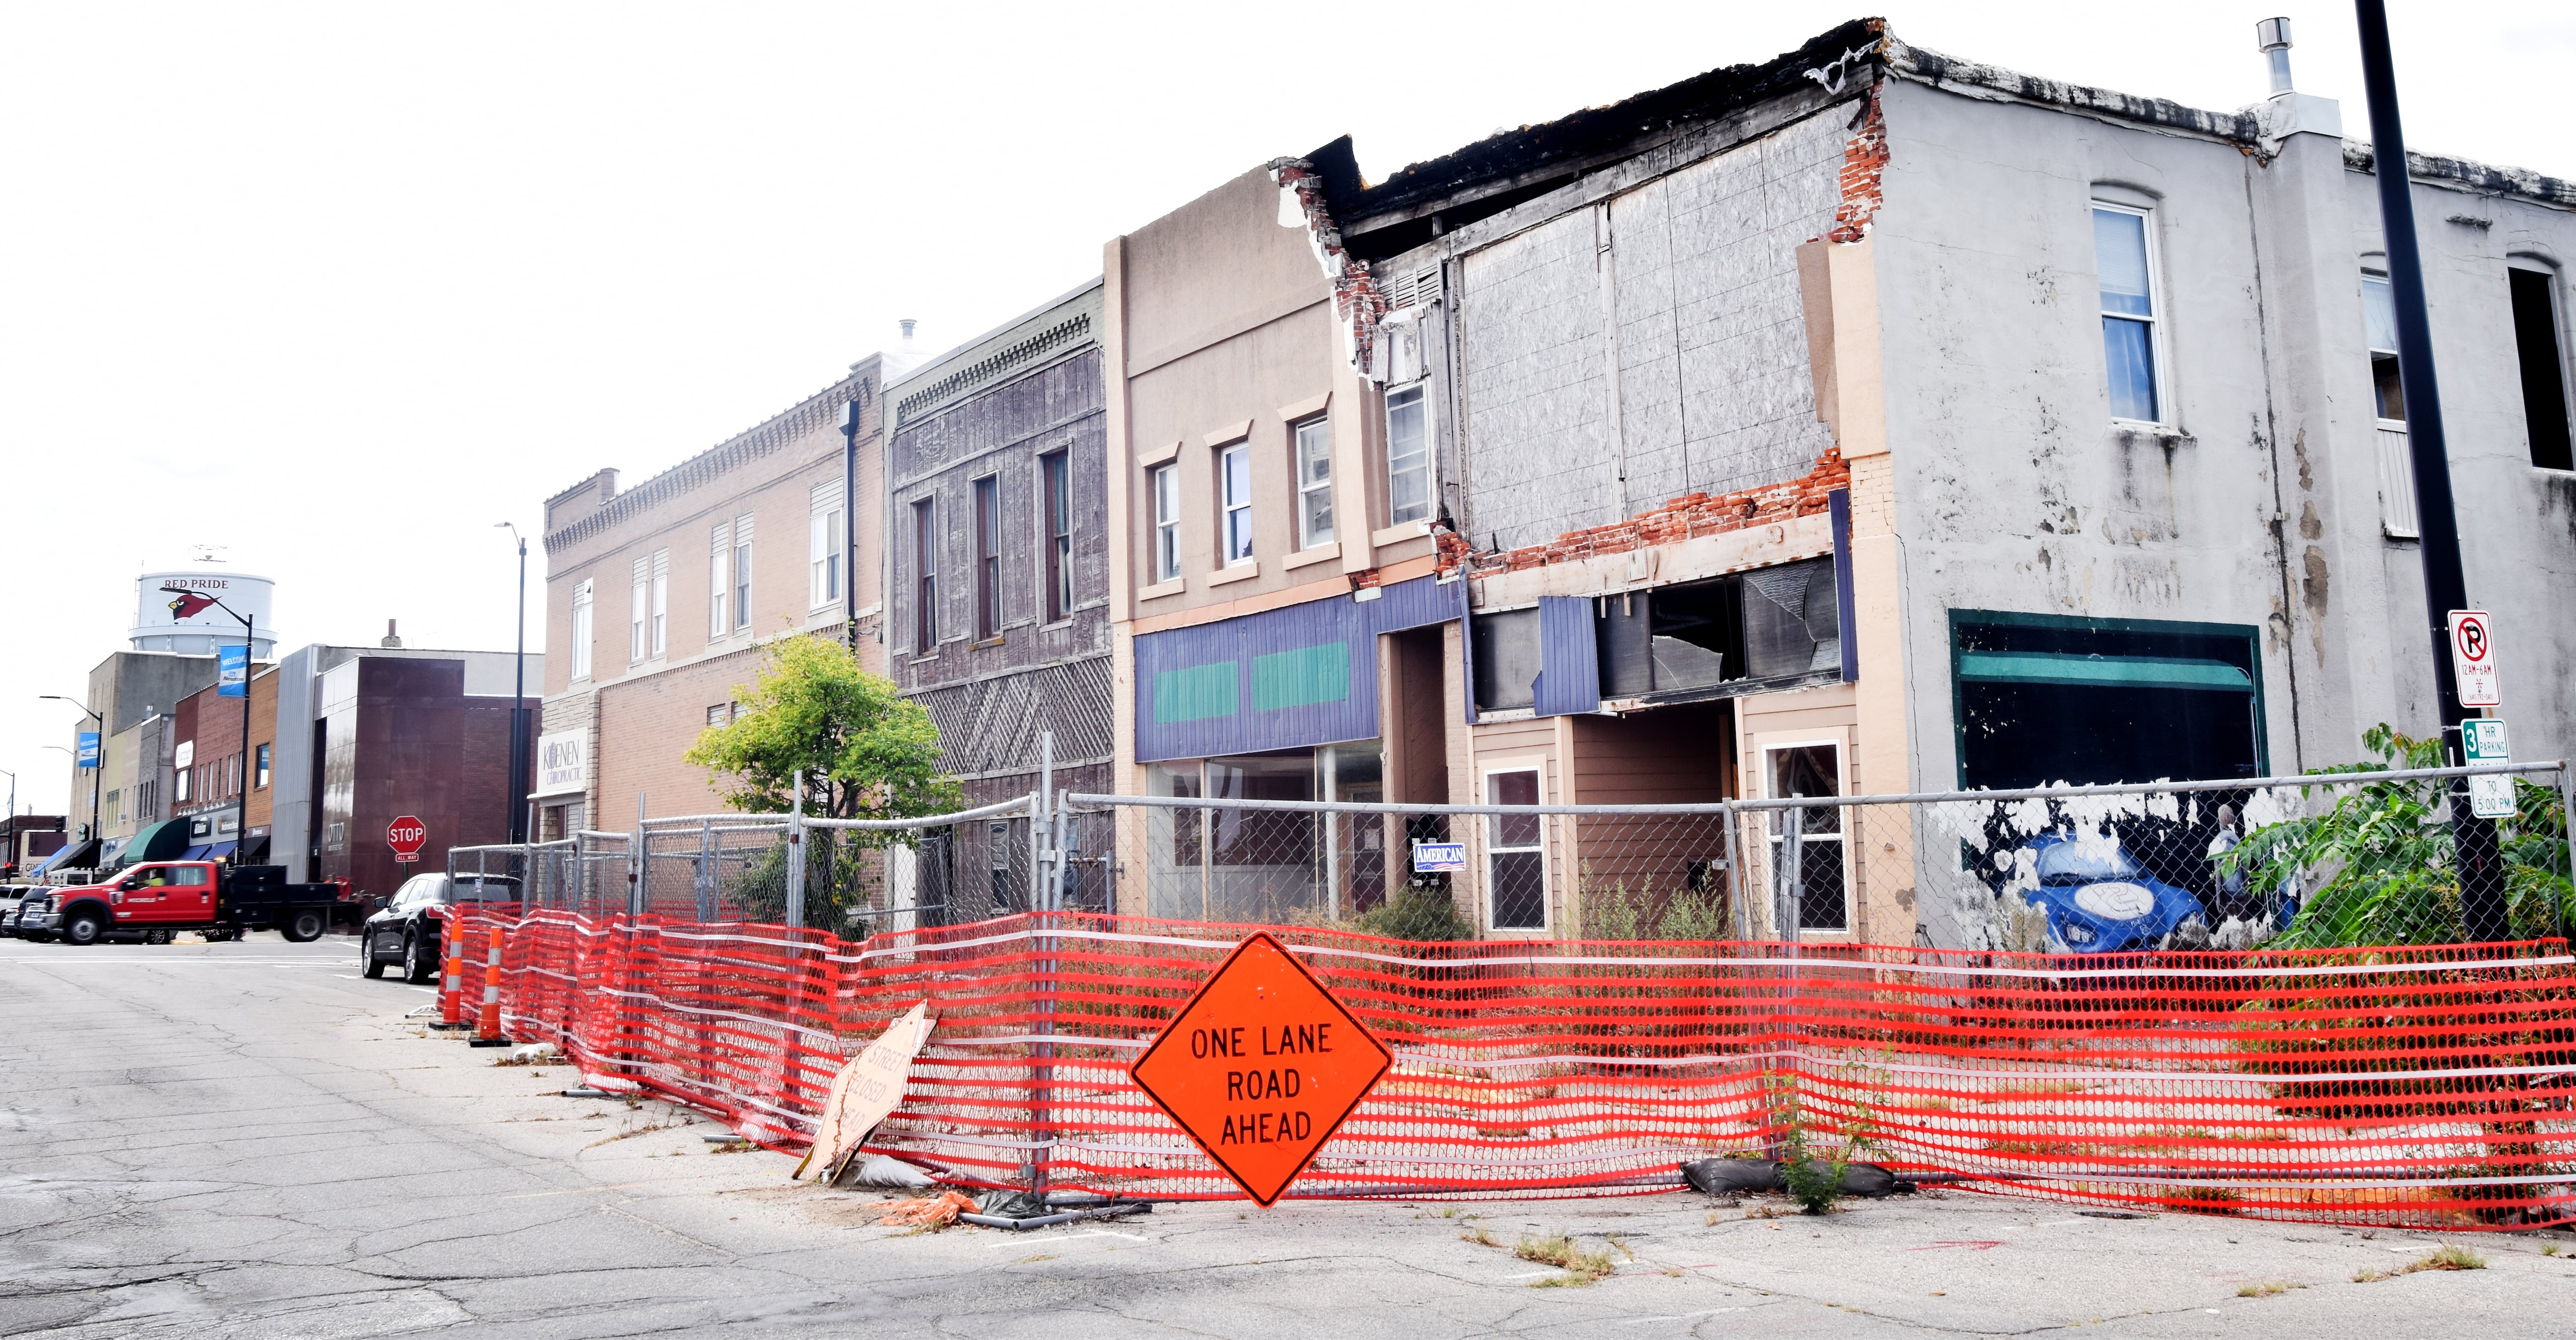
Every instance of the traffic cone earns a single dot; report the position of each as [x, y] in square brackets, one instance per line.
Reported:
[488, 1031]
[451, 976]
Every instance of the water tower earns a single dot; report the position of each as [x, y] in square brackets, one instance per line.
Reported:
[193, 627]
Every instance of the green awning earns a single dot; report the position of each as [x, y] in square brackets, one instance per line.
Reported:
[2109, 672]
[156, 842]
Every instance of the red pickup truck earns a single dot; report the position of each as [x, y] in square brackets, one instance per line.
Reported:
[151, 902]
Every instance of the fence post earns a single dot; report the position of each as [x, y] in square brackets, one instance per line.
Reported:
[1785, 907]
[1039, 805]
[1740, 903]
[706, 869]
[796, 855]
[2567, 836]
[638, 863]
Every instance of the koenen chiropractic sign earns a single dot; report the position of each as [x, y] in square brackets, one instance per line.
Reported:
[1261, 1067]
[561, 762]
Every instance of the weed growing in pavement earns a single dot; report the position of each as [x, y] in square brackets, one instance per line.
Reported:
[2549, 1249]
[2366, 1275]
[1564, 1253]
[2449, 1256]
[2267, 1288]
[1814, 1178]
[646, 1129]
[1479, 1237]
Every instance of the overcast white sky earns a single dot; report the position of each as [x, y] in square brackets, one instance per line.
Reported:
[341, 285]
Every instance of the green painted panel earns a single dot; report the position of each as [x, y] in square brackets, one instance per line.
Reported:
[2117, 672]
[1317, 674]
[1195, 694]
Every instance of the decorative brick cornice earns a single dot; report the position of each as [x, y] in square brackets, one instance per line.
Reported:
[1062, 334]
[818, 411]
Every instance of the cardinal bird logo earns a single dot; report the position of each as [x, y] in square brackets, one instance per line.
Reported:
[189, 605]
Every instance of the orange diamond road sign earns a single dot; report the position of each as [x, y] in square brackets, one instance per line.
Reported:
[1261, 1067]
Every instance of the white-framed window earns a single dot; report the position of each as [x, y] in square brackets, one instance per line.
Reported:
[1819, 894]
[719, 581]
[742, 571]
[639, 610]
[1234, 503]
[1408, 454]
[823, 536]
[581, 631]
[2379, 321]
[1515, 851]
[661, 602]
[1165, 485]
[2132, 312]
[1313, 440]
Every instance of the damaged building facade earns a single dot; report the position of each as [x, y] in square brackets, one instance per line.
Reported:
[998, 581]
[1866, 421]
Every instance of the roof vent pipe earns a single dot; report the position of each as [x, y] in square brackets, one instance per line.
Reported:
[2273, 36]
[907, 323]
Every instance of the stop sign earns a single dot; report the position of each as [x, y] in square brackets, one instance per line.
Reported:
[406, 835]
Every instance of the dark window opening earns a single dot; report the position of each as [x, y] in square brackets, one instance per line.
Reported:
[925, 563]
[1749, 628]
[2044, 701]
[2544, 369]
[1059, 536]
[1507, 658]
[988, 557]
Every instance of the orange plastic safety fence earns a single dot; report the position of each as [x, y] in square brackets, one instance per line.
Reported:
[2422, 1086]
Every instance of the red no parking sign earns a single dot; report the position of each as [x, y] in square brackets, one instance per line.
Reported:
[2473, 659]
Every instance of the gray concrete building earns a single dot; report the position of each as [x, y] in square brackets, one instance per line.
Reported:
[1869, 420]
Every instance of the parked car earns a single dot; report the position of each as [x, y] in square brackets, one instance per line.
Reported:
[154, 901]
[407, 931]
[2099, 900]
[13, 900]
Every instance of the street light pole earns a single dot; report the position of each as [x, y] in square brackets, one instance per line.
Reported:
[2483, 912]
[97, 762]
[518, 825]
[850, 526]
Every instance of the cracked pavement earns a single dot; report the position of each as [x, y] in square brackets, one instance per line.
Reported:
[250, 1140]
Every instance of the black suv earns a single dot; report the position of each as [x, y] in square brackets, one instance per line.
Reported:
[407, 931]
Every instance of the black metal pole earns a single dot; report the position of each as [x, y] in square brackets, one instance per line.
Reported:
[850, 526]
[241, 805]
[518, 827]
[2483, 913]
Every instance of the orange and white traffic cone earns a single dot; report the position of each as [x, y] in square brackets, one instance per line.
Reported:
[487, 1032]
[451, 975]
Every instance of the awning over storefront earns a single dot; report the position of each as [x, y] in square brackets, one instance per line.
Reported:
[157, 842]
[2110, 672]
[206, 851]
[74, 857]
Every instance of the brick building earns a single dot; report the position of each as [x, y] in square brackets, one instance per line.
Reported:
[210, 770]
[660, 596]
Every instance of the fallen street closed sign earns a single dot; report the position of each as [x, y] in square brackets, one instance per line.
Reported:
[1261, 1067]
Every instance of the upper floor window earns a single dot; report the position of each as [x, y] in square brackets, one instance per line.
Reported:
[719, 581]
[1234, 503]
[1165, 482]
[925, 563]
[1408, 456]
[581, 631]
[742, 571]
[661, 601]
[2379, 319]
[2129, 312]
[639, 609]
[1314, 442]
[2544, 367]
[1056, 508]
[823, 547]
[259, 770]
[988, 557]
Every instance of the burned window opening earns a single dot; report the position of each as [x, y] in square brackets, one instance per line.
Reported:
[1769, 628]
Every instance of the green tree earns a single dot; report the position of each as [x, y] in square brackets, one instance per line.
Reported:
[864, 752]
[2383, 857]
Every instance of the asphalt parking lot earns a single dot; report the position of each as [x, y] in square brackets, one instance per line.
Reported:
[251, 1140]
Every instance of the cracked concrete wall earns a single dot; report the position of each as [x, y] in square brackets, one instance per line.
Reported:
[1662, 323]
[2016, 491]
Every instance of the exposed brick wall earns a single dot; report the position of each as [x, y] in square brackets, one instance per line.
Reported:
[1873, 496]
[1864, 163]
[1682, 518]
[1356, 299]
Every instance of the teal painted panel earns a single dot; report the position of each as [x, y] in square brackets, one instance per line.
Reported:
[2038, 667]
[1302, 678]
[1199, 693]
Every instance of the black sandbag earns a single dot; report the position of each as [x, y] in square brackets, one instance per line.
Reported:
[1727, 1177]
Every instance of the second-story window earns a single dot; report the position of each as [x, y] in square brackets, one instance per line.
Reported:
[1166, 488]
[581, 631]
[2129, 312]
[2544, 365]
[742, 571]
[1314, 483]
[1054, 486]
[988, 557]
[1408, 456]
[639, 612]
[661, 601]
[925, 562]
[1234, 501]
[259, 771]
[823, 546]
[2379, 318]
[719, 582]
